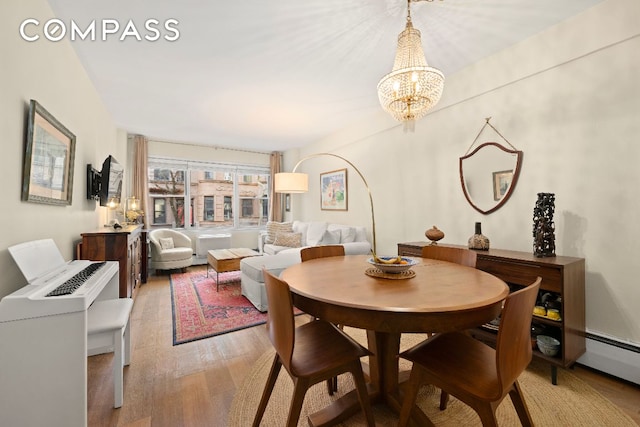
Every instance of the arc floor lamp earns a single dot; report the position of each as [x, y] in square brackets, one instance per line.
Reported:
[297, 182]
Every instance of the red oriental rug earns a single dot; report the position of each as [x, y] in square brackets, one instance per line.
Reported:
[200, 312]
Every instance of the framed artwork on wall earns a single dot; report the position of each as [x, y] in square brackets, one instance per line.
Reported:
[333, 190]
[47, 174]
[501, 182]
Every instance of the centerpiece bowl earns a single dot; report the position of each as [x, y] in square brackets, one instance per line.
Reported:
[404, 264]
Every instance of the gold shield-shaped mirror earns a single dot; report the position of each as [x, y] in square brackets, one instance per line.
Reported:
[489, 175]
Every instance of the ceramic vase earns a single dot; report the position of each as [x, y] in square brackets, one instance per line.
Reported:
[433, 234]
[478, 240]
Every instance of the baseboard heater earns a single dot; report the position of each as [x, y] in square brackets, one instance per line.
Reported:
[612, 356]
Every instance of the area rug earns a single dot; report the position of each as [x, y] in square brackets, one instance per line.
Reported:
[199, 311]
[570, 403]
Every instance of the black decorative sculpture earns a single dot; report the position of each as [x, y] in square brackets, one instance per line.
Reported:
[544, 237]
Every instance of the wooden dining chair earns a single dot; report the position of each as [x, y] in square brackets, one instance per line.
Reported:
[444, 253]
[314, 252]
[460, 256]
[474, 372]
[311, 353]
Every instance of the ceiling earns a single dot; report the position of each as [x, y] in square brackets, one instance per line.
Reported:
[278, 74]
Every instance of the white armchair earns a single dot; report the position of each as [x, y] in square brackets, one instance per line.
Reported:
[170, 249]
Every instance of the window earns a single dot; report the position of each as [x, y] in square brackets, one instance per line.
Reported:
[265, 207]
[159, 213]
[228, 208]
[208, 208]
[179, 212]
[211, 195]
[247, 208]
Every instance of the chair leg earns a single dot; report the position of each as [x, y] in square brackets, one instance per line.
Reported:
[487, 413]
[332, 385]
[268, 388]
[363, 394]
[410, 394]
[521, 406]
[444, 399]
[300, 386]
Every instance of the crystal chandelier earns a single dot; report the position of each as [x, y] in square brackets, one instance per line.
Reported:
[412, 87]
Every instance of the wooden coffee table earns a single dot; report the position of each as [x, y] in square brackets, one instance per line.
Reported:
[224, 260]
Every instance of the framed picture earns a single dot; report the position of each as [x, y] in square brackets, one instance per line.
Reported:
[47, 174]
[501, 182]
[333, 190]
[287, 202]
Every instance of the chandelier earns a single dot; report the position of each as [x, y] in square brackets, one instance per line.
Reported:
[412, 87]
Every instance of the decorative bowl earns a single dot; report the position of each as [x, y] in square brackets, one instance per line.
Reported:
[393, 268]
[548, 345]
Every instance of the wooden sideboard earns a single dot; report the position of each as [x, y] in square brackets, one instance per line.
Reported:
[128, 246]
[562, 276]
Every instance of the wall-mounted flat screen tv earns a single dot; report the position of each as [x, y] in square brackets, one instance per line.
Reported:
[111, 181]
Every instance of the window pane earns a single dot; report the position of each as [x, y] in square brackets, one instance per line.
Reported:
[166, 181]
[208, 190]
[253, 189]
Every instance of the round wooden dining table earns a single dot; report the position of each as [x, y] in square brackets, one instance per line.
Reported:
[441, 297]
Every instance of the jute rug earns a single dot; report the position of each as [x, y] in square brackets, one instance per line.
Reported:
[199, 311]
[570, 403]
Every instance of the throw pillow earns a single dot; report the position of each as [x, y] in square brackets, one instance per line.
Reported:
[301, 227]
[275, 227]
[330, 237]
[315, 232]
[166, 243]
[347, 235]
[291, 240]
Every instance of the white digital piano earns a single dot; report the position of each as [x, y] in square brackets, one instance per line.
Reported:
[43, 336]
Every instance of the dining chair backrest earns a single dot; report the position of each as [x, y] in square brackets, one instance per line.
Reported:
[513, 346]
[313, 252]
[280, 321]
[460, 256]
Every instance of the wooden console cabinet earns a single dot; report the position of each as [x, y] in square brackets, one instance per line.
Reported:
[128, 246]
[562, 276]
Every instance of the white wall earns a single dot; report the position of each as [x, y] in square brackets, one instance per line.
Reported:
[51, 74]
[569, 98]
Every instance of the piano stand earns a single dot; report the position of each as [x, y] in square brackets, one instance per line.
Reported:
[43, 346]
[108, 326]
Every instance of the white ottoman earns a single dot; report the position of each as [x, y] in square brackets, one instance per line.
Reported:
[252, 281]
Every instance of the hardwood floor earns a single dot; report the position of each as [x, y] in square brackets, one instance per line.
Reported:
[193, 384]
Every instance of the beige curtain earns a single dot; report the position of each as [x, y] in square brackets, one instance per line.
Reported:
[275, 210]
[139, 175]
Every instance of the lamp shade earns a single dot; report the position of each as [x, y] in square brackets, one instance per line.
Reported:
[291, 182]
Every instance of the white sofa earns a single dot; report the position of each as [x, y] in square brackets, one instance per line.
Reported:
[276, 258]
[314, 233]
